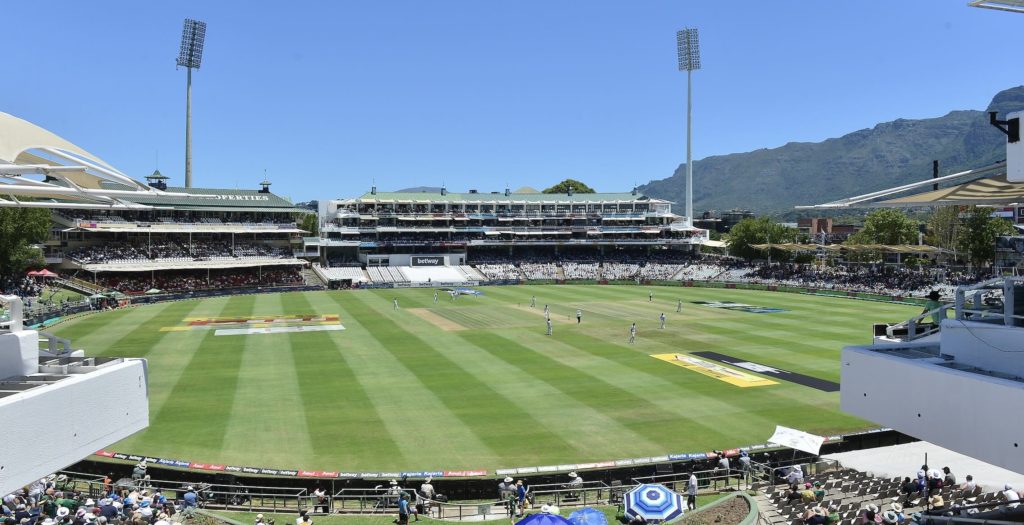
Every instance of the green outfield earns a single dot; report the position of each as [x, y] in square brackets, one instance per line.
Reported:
[474, 383]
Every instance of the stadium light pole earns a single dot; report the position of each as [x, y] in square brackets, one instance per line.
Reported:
[190, 56]
[688, 49]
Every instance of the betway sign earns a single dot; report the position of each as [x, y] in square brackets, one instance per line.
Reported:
[427, 261]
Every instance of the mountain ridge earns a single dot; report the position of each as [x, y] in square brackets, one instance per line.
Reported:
[774, 180]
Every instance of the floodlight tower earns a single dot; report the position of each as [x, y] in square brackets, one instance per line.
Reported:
[190, 56]
[688, 49]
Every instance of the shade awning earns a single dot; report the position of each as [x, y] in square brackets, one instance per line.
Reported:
[786, 247]
[995, 190]
[796, 439]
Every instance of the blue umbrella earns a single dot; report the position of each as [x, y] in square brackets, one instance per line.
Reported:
[654, 503]
[543, 518]
[588, 516]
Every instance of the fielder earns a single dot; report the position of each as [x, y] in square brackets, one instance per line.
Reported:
[579, 315]
[533, 301]
[679, 306]
[435, 296]
[650, 297]
[550, 331]
[662, 318]
[632, 334]
[395, 301]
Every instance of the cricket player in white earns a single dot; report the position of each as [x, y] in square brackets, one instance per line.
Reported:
[549, 327]
[679, 306]
[632, 334]
[435, 296]
[662, 318]
[650, 297]
[579, 315]
[533, 301]
[545, 310]
[395, 301]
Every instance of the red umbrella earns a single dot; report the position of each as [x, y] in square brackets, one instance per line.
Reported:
[33, 273]
[46, 273]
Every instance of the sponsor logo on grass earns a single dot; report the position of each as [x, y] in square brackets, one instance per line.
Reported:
[740, 307]
[785, 375]
[715, 370]
[260, 325]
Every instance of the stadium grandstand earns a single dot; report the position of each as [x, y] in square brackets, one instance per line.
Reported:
[409, 238]
[181, 242]
[116, 233]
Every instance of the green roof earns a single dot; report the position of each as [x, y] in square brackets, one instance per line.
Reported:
[226, 199]
[523, 197]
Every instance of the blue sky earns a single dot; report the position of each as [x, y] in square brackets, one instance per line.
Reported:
[328, 96]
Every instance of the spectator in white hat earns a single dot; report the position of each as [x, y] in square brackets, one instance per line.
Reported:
[575, 484]
[427, 490]
[1010, 496]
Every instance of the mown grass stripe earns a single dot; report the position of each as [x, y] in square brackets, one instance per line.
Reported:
[195, 423]
[129, 334]
[402, 401]
[342, 421]
[269, 413]
[498, 423]
[620, 405]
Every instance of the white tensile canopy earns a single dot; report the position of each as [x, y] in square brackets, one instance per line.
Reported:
[39, 169]
[796, 439]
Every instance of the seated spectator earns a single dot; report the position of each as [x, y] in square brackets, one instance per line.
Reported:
[807, 495]
[950, 479]
[794, 495]
[833, 517]
[968, 486]
[866, 517]
[934, 481]
[1010, 496]
[897, 509]
[815, 516]
[819, 491]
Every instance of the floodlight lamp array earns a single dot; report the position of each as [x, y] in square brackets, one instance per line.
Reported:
[688, 48]
[193, 34]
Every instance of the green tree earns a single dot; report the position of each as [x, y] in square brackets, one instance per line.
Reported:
[20, 229]
[761, 230]
[310, 223]
[886, 226]
[944, 228]
[563, 187]
[978, 239]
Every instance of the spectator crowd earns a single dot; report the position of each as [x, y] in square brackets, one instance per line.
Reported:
[194, 280]
[176, 250]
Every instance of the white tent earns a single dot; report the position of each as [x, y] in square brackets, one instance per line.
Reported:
[796, 439]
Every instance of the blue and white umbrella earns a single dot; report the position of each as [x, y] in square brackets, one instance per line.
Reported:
[588, 516]
[654, 503]
[543, 518]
